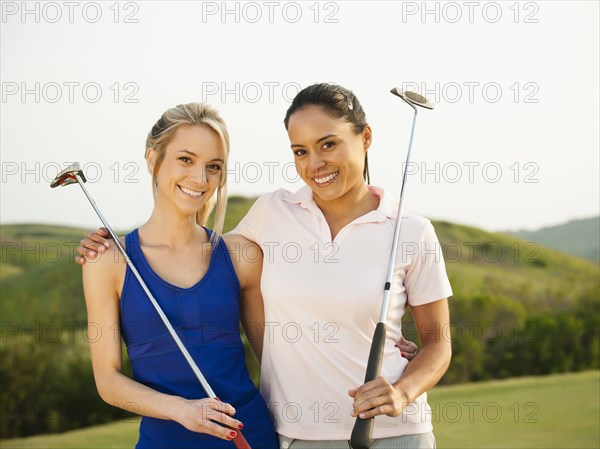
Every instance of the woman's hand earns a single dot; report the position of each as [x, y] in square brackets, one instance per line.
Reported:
[421, 374]
[408, 349]
[377, 397]
[202, 415]
[94, 242]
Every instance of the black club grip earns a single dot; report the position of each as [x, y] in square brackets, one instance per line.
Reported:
[363, 428]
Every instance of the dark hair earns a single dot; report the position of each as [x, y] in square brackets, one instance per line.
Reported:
[338, 102]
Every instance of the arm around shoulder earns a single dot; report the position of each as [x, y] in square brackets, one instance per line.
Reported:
[102, 302]
[102, 279]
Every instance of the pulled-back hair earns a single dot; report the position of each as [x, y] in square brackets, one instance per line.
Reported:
[338, 102]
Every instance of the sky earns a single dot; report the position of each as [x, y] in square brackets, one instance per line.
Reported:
[513, 142]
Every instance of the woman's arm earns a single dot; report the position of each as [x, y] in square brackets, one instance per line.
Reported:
[100, 279]
[380, 397]
[247, 259]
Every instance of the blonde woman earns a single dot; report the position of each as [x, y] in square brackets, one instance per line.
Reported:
[203, 292]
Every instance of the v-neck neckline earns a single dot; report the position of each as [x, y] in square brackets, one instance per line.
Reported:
[166, 283]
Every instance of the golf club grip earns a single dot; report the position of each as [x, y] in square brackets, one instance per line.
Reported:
[240, 442]
[363, 428]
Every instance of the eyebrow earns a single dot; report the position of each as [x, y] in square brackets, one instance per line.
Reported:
[188, 152]
[217, 159]
[321, 139]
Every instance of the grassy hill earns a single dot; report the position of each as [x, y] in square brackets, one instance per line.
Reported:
[558, 411]
[494, 263]
[40, 282]
[518, 309]
[579, 237]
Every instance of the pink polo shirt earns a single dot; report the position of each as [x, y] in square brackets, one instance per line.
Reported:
[322, 302]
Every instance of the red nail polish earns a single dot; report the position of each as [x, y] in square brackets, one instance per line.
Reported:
[233, 434]
[241, 426]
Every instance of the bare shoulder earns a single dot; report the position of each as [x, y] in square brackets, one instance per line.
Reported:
[102, 285]
[108, 265]
[245, 255]
[241, 249]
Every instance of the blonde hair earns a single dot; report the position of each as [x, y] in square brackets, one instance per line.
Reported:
[162, 132]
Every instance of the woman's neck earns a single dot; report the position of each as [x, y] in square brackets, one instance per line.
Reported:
[353, 204]
[172, 228]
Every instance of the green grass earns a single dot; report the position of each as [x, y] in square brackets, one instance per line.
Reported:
[237, 207]
[8, 270]
[558, 411]
[121, 434]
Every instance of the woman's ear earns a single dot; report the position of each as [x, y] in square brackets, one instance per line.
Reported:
[367, 137]
[150, 158]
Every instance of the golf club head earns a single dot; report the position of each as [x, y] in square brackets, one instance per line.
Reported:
[414, 98]
[67, 176]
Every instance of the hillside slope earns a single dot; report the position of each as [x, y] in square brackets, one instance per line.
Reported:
[579, 237]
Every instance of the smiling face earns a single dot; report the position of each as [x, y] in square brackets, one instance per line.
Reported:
[329, 155]
[191, 169]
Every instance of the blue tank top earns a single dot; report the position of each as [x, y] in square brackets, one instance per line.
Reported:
[206, 317]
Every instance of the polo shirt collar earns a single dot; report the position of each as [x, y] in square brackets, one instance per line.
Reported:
[387, 207]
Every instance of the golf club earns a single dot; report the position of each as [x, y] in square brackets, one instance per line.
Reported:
[363, 428]
[74, 175]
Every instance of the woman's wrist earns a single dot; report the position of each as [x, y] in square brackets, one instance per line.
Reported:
[404, 390]
[174, 407]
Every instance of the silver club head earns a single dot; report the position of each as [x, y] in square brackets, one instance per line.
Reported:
[67, 176]
[413, 98]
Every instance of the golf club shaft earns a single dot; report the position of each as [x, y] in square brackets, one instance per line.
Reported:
[209, 392]
[362, 433]
[398, 227]
[239, 440]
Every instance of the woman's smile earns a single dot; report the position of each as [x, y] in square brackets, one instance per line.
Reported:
[323, 181]
[190, 193]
